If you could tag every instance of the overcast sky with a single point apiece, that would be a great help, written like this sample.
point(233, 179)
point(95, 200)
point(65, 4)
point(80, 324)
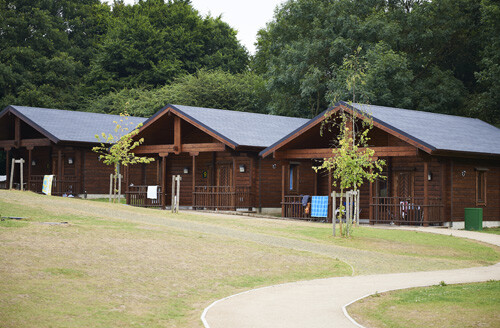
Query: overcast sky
point(245, 16)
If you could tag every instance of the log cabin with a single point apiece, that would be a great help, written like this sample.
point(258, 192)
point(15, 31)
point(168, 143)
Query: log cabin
point(58, 142)
point(436, 165)
point(215, 152)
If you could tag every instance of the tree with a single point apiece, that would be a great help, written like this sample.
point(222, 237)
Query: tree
point(424, 55)
point(486, 103)
point(214, 89)
point(46, 46)
point(153, 42)
point(116, 149)
point(352, 161)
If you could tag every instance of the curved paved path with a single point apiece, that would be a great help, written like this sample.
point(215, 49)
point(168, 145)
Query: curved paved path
point(319, 303)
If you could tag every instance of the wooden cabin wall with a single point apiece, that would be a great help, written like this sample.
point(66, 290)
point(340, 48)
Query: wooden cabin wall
point(464, 188)
point(307, 177)
point(175, 166)
point(41, 155)
point(416, 165)
point(270, 183)
point(96, 174)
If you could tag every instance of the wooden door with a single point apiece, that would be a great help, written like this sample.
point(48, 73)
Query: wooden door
point(404, 184)
point(224, 182)
point(224, 175)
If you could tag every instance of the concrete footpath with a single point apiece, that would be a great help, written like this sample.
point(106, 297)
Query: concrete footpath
point(320, 303)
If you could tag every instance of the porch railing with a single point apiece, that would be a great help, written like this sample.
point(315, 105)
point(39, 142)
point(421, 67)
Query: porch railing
point(221, 197)
point(138, 196)
point(67, 185)
point(293, 209)
point(406, 210)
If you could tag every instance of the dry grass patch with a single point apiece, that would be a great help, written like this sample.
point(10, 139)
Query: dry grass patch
point(422, 246)
point(110, 273)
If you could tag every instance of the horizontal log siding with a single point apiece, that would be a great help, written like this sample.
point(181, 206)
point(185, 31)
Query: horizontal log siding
point(96, 174)
point(270, 183)
point(464, 188)
point(306, 178)
point(416, 163)
point(175, 166)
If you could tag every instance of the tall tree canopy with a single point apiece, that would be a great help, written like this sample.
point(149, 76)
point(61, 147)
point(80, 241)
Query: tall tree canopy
point(155, 41)
point(44, 48)
point(429, 55)
point(60, 53)
point(214, 89)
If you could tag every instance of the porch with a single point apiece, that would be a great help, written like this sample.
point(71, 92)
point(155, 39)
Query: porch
point(406, 210)
point(222, 198)
point(69, 185)
point(410, 193)
point(385, 210)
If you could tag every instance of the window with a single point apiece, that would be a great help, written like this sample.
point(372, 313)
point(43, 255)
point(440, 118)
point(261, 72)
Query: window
point(293, 177)
point(481, 186)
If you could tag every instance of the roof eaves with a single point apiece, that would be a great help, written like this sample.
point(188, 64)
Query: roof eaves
point(306, 126)
point(418, 142)
point(37, 127)
point(215, 133)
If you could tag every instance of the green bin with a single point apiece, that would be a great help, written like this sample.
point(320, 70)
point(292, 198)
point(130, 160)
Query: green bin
point(473, 219)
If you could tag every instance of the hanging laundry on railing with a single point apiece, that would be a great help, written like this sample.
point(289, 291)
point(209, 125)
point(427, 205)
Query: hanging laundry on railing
point(47, 184)
point(152, 192)
point(319, 206)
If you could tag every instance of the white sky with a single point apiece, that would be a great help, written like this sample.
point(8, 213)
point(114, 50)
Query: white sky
point(245, 16)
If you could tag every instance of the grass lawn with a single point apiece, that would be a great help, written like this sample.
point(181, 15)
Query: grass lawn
point(495, 230)
point(464, 305)
point(118, 266)
point(106, 200)
point(439, 249)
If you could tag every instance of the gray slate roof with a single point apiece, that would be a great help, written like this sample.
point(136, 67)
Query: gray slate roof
point(438, 131)
point(242, 128)
point(64, 125)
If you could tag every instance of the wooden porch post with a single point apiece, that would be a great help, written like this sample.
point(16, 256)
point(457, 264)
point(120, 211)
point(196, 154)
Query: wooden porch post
point(194, 177)
point(214, 172)
point(443, 191)
point(59, 170)
point(233, 196)
point(283, 174)
point(17, 132)
point(177, 136)
point(7, 167)
point(426, 194)
point(127, 184)
point(29, 168)
point(330, 211)
point(315, 183)
point(370, 201)
point(158, 173)
point(164, 180)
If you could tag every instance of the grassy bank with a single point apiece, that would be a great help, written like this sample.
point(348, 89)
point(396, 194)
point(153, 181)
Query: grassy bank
point(116, 266)
point(465, 305)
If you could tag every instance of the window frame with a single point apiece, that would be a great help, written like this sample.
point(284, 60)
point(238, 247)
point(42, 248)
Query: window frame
point(293, 177)
point(481, 188)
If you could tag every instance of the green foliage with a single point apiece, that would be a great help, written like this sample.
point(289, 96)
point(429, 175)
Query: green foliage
point(61, 54)
point(352, 162)
point(486, 104)
point(214, 89)
point(45, 47)
point(439, 56)
point(153, 42)
point(116, 149)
